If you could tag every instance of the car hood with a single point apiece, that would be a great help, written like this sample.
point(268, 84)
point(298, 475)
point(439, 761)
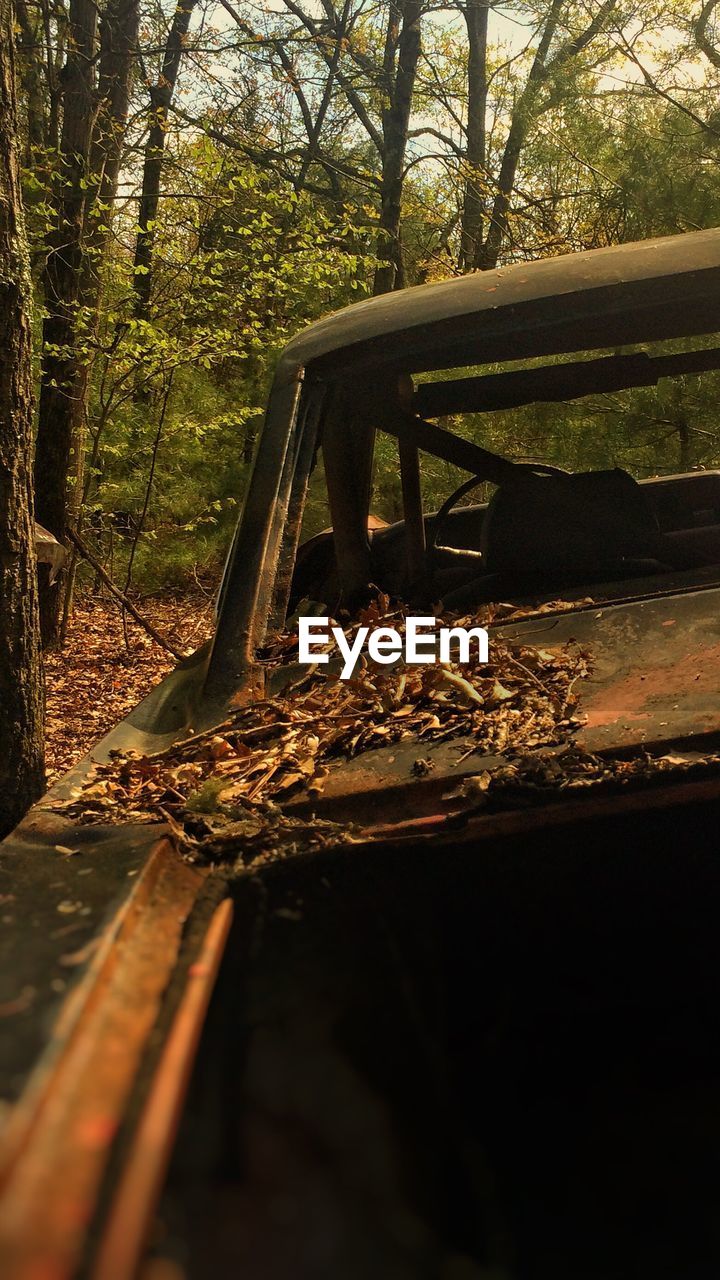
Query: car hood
point(654, 685)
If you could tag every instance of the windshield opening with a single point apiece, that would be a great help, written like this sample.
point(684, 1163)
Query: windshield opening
point(597, 484)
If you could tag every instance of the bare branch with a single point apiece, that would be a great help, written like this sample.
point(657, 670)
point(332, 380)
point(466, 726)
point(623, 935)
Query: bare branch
point(348, 89)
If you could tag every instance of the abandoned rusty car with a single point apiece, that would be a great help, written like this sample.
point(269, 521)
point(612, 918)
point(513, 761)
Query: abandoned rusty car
point(481, 1037)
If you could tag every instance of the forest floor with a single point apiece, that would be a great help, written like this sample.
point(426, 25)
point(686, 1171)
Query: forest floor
point(105, 669)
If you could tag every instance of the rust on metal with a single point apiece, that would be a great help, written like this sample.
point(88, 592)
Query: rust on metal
point(55, 1150)
point(643, 695)
point(141, 1182)
point(481, 828)
point(655, 667)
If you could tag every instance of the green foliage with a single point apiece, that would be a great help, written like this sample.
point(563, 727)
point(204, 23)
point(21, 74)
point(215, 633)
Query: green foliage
point(261, 230)
point(240, 269)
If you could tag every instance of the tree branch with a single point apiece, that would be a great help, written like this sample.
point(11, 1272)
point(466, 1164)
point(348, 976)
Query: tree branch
point(700, 27)
point(346, 85)
point(147, 626)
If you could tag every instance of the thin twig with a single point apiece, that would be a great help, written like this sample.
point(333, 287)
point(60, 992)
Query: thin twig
point(147, 626)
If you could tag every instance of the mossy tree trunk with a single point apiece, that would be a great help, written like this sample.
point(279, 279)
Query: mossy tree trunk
point(21, 746)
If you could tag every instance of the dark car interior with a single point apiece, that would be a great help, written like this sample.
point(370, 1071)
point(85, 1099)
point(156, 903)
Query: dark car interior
point(542, 530)
point(518, 1052)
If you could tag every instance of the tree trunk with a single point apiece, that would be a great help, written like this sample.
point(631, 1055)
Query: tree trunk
point(161, 96)
point(63, 379)
point(471, 226)
point(31, 78)
point(395, 124)
point(118, 48)
point(526, 112)
point(119, 26)
point(684, 444)
point(522, 118)
point(21, 750)
point(93, 132)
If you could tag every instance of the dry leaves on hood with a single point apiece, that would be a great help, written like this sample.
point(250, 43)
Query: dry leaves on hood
point(221, 792)
point(535, 777)
point(241, 771)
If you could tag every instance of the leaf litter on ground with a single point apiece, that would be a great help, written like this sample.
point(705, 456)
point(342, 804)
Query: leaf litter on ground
point(97, 678)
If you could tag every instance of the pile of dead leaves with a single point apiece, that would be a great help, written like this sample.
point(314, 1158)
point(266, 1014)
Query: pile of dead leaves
point(231, 781)
point(535, 776)
point(222, 792)
point(105, 669)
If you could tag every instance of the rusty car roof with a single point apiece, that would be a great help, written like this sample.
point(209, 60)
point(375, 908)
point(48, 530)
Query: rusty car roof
point(646, 287)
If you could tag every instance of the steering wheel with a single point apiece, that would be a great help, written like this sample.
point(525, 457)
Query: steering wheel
point(434, 545)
